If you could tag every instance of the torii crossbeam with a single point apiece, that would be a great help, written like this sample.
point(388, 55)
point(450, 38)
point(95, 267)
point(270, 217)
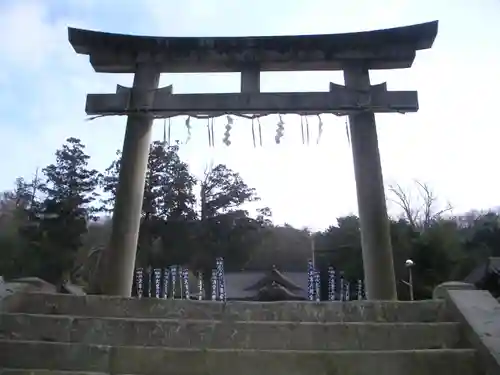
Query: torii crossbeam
point(338, 100)
point(354, 53)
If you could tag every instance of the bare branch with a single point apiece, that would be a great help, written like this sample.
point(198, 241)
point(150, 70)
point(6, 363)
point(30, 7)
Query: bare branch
point(422, 212)
point(403, 200)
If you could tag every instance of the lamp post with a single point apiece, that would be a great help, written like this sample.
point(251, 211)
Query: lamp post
point(409, 264)
point(313, 250)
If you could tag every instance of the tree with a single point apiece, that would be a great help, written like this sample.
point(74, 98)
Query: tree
point(223, 229)
point(58, 224)
point(481, 238)
point(177, 199)
point(223, 190)
point(168, 189)
point(109, 184)
point(340, 247)
point(168, 197)
point(172, 232)
point(283, 246)
point(264, 215)
point(437, 254)
point(422, 211)
point(17, 210)
point(46, 222)
point(168, 193)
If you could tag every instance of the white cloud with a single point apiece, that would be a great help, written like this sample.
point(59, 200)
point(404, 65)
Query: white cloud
point(26, 37)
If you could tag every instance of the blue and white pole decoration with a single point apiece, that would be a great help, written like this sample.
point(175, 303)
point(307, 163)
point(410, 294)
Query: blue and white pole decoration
point(360, 290)
point(310, 280)
point(181, 281)
point(218, 278)
point(157, 276)
point(342, 287)
point(173, 272)
point(221, 285)
point(214, 284)
point(223, 272)
point(150, 276)
point(166, 282)
point(139, 282)
point(200, 286)
point(317, 285)
point(185, 279)
point(331, 284)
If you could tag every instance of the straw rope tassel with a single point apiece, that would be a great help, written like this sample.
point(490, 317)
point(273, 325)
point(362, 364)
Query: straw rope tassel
point(279, 130)
point(188, 127)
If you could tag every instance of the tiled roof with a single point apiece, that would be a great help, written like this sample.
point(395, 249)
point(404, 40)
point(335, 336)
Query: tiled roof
point(237, 283)
point(491, 266)
point(274, 276)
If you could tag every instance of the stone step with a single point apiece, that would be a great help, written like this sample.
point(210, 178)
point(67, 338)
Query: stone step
point(230, 334)
point(10, 371)
point(158, 360)
point(356, 311)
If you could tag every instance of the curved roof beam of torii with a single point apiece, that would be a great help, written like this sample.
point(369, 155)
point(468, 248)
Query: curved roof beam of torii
point(380, 49)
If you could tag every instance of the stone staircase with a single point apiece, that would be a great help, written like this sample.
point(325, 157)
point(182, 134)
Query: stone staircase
point(70, 335)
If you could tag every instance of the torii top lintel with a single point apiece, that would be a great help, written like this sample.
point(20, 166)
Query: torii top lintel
point(380, 49)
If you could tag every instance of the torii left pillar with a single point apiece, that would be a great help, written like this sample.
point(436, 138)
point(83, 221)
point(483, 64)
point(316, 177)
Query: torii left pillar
point(117, 267)
point(378, 261)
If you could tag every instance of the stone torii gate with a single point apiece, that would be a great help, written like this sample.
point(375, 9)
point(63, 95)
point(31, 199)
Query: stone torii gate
point(354, 53)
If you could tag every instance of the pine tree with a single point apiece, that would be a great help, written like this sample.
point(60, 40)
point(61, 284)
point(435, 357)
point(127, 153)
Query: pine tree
point(62, 216)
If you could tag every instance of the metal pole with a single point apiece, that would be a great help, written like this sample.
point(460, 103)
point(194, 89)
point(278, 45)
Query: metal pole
point(410, 283)
point(409, 264)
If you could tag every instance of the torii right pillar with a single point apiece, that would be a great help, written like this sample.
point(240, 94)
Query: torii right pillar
point(378, 264)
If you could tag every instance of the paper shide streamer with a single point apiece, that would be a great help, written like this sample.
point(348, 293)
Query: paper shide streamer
point(210, 129)
point(253, 133)
point(307, 133)
point(320, 129)
point(259, 128)
point(166, 138)
point(307, 130)
point(302, 129)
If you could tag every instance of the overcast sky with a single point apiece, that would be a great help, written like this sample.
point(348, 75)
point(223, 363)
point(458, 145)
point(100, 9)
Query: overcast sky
point(450, 143)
